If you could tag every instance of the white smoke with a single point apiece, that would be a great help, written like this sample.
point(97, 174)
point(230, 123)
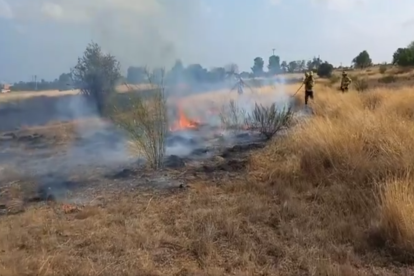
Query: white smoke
point(141, 32)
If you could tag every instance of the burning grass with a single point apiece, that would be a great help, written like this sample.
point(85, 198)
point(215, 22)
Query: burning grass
point(183, 122)
point(335, 197)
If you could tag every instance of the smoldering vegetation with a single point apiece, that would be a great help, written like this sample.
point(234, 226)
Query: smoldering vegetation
point(96, 149)
point(42, 110)
point(63, 143)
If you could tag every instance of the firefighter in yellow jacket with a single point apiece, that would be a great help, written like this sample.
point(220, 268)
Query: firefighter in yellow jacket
point(345, 82)
point(309, 81)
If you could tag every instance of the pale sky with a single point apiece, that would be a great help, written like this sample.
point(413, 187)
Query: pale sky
point(44, 38)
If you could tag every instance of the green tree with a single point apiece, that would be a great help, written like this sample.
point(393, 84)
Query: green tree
point(314, 63)
point(178, 66)
point(301, 65)
point(258, 65)
point(64, 82)
point(411, 46)
point(404, 56)
point(217, 74)
point(176, 74)
point(325, 70)
point(362, 60)
point(231, 69)
point(274, 64)
point(136, 75)
point(157, 75)
point(98, 74)
point(196, 73)
point(245, 75)
point(293, 66)
point(284, 66)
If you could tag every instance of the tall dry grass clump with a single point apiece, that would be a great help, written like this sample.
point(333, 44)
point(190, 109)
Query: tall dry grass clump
point(396, 215)
point(383, 68)
point(144, 118)
point(360, 84)
point(400, 104)
point(361, 146)
point(345, 157)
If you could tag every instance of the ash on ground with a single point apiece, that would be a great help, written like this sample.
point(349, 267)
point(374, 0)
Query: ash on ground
point(97, 162)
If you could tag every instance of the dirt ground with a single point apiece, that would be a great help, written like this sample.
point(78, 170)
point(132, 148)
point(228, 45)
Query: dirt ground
point(334, 196)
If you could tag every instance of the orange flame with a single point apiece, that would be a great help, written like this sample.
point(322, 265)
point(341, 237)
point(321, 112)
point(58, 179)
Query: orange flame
point(183, 122)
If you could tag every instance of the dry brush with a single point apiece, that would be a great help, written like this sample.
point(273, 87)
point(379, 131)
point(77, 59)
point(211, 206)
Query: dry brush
point(143, 116)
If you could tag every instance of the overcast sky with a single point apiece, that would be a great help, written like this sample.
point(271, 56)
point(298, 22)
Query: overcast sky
point(44, 38)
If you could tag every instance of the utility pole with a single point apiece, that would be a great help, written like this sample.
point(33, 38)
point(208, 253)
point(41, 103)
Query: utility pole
point(35, 80)
point(273, 51)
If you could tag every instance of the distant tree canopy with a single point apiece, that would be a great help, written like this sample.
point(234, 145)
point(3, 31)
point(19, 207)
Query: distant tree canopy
point(196, 73)
point(136, 74)
point(314, 63)
point(284, 66)
point(190, 74)
point(325, 70)
point(274, 65)
point(296, 66)
point(404, 56)
point(258, 67)
point(362, 60)
point(64, 82)
point(193, 73)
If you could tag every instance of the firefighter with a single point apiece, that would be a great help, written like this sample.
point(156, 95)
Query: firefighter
point(308, 82)
point(345, 82)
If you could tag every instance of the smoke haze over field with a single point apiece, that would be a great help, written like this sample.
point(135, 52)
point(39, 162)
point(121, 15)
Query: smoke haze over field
point(45, 37)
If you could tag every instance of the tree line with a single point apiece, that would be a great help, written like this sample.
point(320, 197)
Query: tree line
point(196, 73)
point(403, 57)
point(63, 82)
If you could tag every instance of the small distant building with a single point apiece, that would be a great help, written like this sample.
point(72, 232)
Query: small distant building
point(5, 88)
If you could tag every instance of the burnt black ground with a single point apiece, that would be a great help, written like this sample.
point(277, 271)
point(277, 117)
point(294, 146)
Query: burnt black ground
point(97, 162)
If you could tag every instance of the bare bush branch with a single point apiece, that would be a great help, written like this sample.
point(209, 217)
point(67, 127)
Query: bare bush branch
point(233, 117)
point(269, 120)
point(144, 117)
point(266, 120)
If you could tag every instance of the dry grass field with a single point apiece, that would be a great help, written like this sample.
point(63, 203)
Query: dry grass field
point(334, 197)
point(21, 95)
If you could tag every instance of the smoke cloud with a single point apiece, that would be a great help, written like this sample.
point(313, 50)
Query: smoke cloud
point(137, 32)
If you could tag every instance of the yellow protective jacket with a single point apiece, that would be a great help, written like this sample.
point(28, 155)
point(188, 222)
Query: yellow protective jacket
point(345, 81)
point(309, 82)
